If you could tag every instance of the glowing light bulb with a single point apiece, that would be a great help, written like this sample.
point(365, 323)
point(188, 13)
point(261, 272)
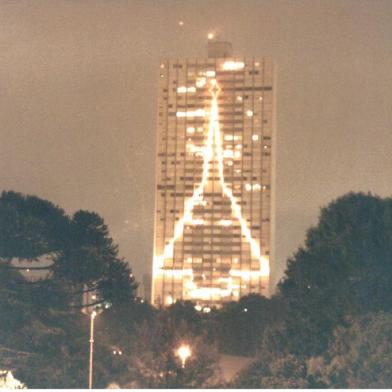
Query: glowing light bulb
point(183, 352)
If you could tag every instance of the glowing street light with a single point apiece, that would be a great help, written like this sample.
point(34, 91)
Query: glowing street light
point(183, 352)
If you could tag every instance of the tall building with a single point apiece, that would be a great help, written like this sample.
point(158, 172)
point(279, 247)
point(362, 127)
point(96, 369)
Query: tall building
point(214, 170)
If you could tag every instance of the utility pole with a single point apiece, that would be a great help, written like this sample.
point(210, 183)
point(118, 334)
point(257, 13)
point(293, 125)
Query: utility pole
point(90, 373)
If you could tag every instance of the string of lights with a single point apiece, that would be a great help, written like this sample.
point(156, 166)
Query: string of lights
point(211, 152)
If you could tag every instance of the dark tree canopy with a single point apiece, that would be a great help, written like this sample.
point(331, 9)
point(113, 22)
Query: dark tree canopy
point(82, 254)
point(360, 354)
point(345, 268)
point(30, 227)
point(240, 325)
point(91, 260)
point(43, 336)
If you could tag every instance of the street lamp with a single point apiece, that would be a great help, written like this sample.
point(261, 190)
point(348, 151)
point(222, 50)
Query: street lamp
point(184, 352)
point(90, 373)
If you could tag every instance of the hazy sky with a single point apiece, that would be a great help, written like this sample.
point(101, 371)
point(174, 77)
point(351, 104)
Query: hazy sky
point(78, 95)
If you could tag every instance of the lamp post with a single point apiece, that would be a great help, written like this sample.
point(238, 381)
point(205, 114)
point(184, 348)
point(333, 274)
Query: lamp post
point(90, 372)
point(184, 352)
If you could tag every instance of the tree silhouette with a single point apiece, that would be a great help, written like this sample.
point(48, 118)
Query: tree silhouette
point(345, 268)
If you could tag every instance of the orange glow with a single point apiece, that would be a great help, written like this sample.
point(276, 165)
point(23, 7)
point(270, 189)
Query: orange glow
point(183, 352)
point(212, 150)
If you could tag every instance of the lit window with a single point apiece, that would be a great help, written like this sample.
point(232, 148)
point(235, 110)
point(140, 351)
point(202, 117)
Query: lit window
point(255, 138)
point(192, 113)
point(190, 129)
point(233, 65)
point(239, 98)
point(200, 82)
point(184, 89)
point(210, 74)
point(198, 221)
point(249, 113)
point(225, 222)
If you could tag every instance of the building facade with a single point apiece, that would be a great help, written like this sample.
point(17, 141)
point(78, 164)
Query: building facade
point(214, 178)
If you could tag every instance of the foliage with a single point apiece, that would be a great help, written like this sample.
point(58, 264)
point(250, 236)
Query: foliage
point(240, 325)
point(154, 363)
point(345, 268)
point(43, 337)
point(343, 271)
point(283, 372)
point(147, 339)
point(90, 259)
point(44, 346)
point(30, 227)
point(360, 354)
point(81, 252)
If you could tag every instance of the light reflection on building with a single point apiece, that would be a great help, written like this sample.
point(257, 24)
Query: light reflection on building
point(213, 217)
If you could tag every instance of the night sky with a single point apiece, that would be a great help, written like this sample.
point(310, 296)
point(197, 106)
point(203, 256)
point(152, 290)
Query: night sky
point(78, 95)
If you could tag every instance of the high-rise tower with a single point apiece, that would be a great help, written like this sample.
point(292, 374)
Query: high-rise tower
point(214, 209)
